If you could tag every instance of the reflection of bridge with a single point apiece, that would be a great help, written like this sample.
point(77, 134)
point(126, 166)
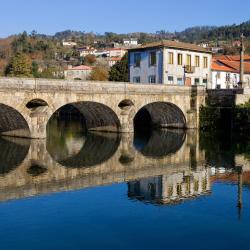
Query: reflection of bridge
point(39, 173)
point(27, 105)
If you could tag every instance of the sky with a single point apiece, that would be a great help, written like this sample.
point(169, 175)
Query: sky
point(120, 16)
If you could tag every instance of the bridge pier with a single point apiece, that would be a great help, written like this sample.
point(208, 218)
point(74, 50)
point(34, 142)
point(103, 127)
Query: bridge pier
point(38, 123)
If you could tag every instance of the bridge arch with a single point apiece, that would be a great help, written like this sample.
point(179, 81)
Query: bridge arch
point(13, 122)
point(159, 115)
point(95, 116)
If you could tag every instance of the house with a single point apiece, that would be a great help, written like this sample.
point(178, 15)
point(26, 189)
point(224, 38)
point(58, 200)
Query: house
point(84, 51)
point(130, 42)
point(170, 62)
point(81, 72)
point(113, 60)
point(226, 71)
point(69, 43)
point(117, 52)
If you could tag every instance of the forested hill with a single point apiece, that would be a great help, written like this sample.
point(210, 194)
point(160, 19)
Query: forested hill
point(211, 33)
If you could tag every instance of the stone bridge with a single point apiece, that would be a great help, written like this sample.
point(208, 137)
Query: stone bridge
point(26, 105)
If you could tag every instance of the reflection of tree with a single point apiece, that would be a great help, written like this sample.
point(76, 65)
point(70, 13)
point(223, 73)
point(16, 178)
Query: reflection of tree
point(13, 152)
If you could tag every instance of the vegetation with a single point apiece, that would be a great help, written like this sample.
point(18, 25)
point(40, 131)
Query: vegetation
point(99, 73)
point(48, 56)
point(119, 71)
point(19, 66)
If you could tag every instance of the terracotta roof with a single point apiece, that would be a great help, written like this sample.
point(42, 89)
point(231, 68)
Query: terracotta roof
point(173, 44)
point(235, 65)
point(81, 67)
point(217, 66)
point(231, 58)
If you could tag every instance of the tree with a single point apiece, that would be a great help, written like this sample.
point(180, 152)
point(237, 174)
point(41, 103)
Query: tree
point(89, 59)
point(99, 73)
point(20, 65)
point(119, 71)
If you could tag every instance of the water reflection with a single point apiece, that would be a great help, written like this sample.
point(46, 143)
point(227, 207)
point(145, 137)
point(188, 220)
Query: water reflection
point(13, 152)
point(161, 167)
point(172, 188)
point(159, 143)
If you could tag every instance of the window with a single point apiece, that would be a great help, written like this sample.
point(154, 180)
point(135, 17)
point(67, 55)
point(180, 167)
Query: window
point(197, 61)
point(152, 79)
point(179, 59)
point(136, 79)
point(171, 58)
point(189, 60)
point(152, 58)
point(228, 77)
point(171, 80)
point(180, 81)
point(137, 60)
point(197, 81)
point(218, 75)
point(205, 62)
point(204, 81)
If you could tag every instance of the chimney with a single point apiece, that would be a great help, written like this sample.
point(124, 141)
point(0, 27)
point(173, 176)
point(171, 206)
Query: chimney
point(242, 61)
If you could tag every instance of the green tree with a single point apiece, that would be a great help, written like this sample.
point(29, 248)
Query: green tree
point(20, 66)
point(119, 71)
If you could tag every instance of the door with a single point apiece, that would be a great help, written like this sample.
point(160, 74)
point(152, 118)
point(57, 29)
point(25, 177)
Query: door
point(188, 81)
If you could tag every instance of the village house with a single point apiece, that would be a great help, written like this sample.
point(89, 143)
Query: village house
point(81, 72)
point(130, 42)
point(226, 71)
point(117, 52)
point(113, 60)
point(170, 62)
point(69, 43)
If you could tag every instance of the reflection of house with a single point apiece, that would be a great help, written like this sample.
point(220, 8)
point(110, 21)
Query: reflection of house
point(170, 189)
point(79, 72)
point(226, 71)
point(170, 62)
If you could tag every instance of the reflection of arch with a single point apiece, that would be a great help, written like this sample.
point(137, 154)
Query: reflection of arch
point(160, 143)
point(13, 152)
point(96, 116)
point(96, 150)
point(159, 115)
point(11, 120)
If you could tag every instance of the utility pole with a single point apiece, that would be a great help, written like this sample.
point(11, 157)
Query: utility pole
point(242, 50)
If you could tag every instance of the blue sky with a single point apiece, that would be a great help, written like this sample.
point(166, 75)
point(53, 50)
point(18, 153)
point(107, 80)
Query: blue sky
point(50, 16)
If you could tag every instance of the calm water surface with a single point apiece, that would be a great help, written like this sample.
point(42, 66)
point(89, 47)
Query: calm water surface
point(159, 190)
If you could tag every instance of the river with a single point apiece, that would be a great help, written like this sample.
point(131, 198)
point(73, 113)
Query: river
point(161, 189)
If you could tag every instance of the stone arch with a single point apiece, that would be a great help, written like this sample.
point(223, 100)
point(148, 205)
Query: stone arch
point(36, 103)
point(97, 116)
point(12, 122)
point(125, 104)
point(159, 115)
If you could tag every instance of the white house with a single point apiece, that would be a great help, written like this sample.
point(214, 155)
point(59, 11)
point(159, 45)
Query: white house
point(69, 43)
point(113, 60)
point(170, 62)
point(117, 52)
point(79, 72)
point(130, 42)
point(226, 72)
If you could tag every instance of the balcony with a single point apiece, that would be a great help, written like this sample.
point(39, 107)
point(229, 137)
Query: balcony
point(189, 69)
